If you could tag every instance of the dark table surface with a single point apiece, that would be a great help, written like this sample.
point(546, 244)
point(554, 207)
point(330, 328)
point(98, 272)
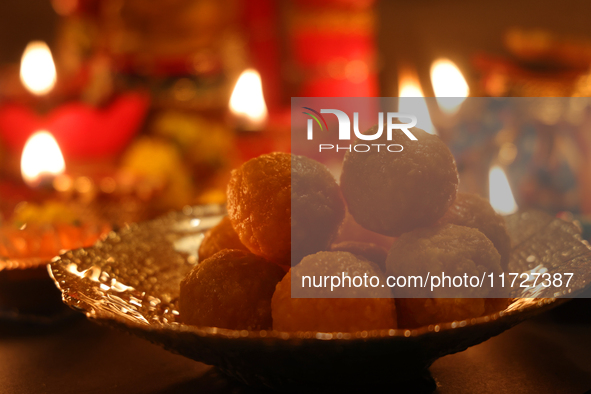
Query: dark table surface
point(549, 354)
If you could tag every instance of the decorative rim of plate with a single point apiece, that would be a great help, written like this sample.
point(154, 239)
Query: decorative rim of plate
point(533, 306)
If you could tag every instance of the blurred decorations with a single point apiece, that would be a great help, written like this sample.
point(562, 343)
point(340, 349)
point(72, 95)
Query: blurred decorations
point(541, 64)
point(334, 50)
point(205, 144)
point(185, 52)
point(81, 130)
point(159, 165)
point(39, 232)
point(539, 143)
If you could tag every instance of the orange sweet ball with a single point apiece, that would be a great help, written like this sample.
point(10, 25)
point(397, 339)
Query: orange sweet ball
point(371, 252)
point(471, 210)
point(450, 249)
point(395, 192)
point(317, 207)
point(219, 238)
point(259, 206)
point(323, 314)
point(284, 206)
point(455, 250)
point(231, 289)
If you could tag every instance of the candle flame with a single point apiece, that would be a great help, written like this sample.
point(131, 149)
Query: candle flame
point(501, 196)
point(412, 102)
point(38, 72)
point(41, 157)
point(247, 98)
point(449, 85)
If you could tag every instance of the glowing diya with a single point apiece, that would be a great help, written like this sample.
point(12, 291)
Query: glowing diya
point(35, 233)
point(82, 130)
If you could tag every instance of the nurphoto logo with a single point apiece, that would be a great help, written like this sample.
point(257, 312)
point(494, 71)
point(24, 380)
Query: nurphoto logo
point(392, 124)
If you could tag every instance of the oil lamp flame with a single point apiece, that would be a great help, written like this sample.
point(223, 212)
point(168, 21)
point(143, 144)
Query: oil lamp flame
point(412, 101)
point(247, 100)
point(449, 85)
point(501, 196)
point(410, 88)
point(41, 158)
point(37, 68)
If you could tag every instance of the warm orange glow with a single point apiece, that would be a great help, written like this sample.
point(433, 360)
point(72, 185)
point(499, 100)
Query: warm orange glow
point(412, 102)
point(41, 158)
point(449, 85)
point(247, 99)
point(410, 88)
point(37, 68)
point(64, 7)
point(501, 196)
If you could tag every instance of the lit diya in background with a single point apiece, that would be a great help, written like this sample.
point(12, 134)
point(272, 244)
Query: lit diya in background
point(449, 88)
point(449, 85)
point(455, 120)
point(82, 130)
point(500, 194)
point(259, 130)
point(35, 233)
point(38, 73)
point(412, 99)
point(50, 113)
point(247, 102)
